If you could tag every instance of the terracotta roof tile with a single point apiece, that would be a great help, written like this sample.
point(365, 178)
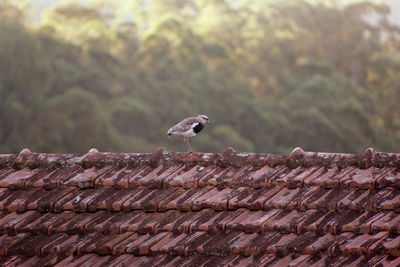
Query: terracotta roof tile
point(254, 199)
point(389, 221)
point(204, 209)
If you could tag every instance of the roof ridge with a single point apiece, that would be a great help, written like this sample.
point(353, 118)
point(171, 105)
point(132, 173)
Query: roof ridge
point(228, 157)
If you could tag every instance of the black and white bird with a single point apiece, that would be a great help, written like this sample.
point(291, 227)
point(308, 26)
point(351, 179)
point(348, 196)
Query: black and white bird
point(189, 127)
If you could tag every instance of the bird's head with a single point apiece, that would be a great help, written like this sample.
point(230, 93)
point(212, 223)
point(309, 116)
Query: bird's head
point(203, 119)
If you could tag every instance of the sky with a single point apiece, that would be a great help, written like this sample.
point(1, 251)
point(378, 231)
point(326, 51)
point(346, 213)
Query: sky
point(395, 7)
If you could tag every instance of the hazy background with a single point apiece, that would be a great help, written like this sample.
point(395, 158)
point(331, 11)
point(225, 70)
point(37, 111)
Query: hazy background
point(271, 75)
point(41, 5)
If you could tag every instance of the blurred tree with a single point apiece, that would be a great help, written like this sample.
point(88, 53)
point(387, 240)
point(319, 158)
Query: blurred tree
point(94, 25)
point(13, 11)
point(76, 113)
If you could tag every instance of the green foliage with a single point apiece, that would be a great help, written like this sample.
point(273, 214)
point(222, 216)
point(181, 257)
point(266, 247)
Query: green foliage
point(270, 76)
point(76, 111)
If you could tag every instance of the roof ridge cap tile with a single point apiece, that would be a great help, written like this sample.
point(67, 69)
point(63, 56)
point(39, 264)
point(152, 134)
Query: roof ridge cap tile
point(200, 158)
point(228, 157)
point(7, 160)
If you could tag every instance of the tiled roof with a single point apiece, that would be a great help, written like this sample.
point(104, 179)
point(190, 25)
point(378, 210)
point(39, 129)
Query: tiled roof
point(202, 209)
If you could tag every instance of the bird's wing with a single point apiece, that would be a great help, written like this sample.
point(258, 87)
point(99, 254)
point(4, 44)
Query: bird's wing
point(189, 122)
point(183, 126)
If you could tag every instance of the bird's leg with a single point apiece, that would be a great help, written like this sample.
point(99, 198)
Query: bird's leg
point(186, 140)
point(190, 149)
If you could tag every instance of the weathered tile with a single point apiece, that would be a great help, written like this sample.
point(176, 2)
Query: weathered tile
point(119, 177)
point(170, 244)
point(216, 198)
point(363, 244)
point(283, 199)
point(33, 224)
point(250, 221)
point(340, 241)
point(391, 245)
point(10, 199)
point(287, 221)
point(9, 243)
point(4, 174)
point(290, 261)
point(86, 178)
point(53, 179)
point(329, 177)
point(17, 179)
point(170, 202)
point(390, 178)
point(231, 177)
point(390, 261)
point(49, 260)
point(213, 221)
point(182, 222)
point(362, 223)
point(293, 178)
point(118, 260)
point(154, 179)
point(130, 223)
point(88, 259)
point(212, 174)
point(289, 198)
point(74, 224)
point(255, 199)
point(184, 202)
point(325, 199)
point(321, 244)
point(43, 200)
point(162, 260)
point(77, 200)
point(140, 245)
point(187, 177)
point(5, 219)
point(11, 220)
point(142, 223)
point(263, 176)
point(185, 212)
point(390, 222)
point(147, 200)
point(366, 179)
point(106, 247)
point(61, 245)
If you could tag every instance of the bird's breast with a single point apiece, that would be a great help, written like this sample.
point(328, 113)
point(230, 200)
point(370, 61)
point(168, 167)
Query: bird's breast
point(198, 127)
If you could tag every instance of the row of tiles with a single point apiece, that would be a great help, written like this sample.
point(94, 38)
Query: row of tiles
point(143, 198)
point(200, 176)
point(233, 243)
point(201, 260)
point(283, 221)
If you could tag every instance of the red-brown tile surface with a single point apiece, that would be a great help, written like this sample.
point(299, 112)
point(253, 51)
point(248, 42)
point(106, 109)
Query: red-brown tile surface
point(329, 177)
point(175, 209)
point(390, 178)
point(389, 221)
point(119, 177)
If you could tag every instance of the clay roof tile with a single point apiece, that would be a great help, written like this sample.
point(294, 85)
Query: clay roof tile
point(173, 208)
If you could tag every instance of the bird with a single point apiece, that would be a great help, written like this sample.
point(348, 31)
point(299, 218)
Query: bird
point(189, 127)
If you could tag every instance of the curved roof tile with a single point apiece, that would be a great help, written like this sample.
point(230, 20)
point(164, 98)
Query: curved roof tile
point(177, 209)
